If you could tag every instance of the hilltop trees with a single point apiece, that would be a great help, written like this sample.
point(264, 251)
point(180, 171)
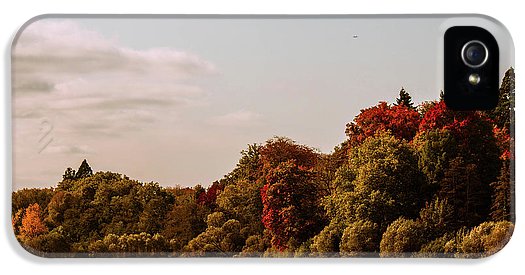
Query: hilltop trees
point(95, 206)
point(503, 114)
point(279, 150)
point(402, 121)
point(404, 99)
point(71, 175)
point(248, 168)
point(83, 171)
point(409, 181)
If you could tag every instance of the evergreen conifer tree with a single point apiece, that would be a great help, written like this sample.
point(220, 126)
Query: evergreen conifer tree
point(404, 99)
point(84, 170)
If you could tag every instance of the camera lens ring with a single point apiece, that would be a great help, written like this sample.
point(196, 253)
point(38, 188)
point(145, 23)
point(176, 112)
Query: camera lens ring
point(464, 49)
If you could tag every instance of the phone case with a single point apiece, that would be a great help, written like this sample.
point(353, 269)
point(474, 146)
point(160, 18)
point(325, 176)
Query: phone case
point(254, 136)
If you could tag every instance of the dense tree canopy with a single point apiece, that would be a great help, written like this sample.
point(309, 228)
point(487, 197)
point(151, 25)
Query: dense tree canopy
point(290, 205)
point(410, 180)
point(449, 145)
point(222, 237)
point(402, 237)
point(360, 238)
point(400, 120)
point(383, 182)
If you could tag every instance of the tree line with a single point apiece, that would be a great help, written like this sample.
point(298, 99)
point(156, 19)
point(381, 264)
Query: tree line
point(421, 181)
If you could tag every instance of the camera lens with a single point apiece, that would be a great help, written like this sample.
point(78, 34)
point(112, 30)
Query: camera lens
point(474, 54)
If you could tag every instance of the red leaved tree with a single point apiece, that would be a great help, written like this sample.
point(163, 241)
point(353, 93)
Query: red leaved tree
point(289, 194)
point(281, 149)
point(209, 197)
point(290, 209)
point(400, 120)
point(473, 130)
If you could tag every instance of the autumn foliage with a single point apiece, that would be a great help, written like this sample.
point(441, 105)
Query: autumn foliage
point(410, 180)
point(32, 224)
point(400, 120)
point(289, 205)
point(209, 196)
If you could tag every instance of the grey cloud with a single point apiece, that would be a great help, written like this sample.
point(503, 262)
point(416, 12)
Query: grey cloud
point(128, 103)
point(69, 72)
point(61, 46)
point(33, 86)
point(66, 149)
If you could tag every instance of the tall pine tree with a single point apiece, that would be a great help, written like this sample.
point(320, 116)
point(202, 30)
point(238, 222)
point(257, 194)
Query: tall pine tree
point(467, 193)
point(404, 99)
point(502, 197)
point(503, 117)
point(503, 113)
point(84, 170)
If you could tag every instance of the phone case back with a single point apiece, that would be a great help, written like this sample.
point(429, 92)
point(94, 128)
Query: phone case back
point(254, 136)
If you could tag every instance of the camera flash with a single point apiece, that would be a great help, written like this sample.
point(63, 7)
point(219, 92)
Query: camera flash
point(474, 79)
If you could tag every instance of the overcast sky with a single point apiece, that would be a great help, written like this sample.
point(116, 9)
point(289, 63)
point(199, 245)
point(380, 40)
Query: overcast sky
point(175, 100)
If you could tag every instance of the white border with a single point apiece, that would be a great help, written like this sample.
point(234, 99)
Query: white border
point(15, 13)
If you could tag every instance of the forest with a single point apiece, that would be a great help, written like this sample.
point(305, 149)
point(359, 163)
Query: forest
point(409, 181)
